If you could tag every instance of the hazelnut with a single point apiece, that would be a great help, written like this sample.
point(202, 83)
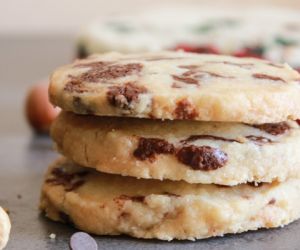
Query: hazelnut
point(40, 113)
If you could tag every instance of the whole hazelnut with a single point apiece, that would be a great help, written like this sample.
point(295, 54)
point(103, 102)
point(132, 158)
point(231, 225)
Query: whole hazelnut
point(40, 113)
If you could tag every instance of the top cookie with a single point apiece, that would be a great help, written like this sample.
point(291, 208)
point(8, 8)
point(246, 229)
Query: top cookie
point(178, 85)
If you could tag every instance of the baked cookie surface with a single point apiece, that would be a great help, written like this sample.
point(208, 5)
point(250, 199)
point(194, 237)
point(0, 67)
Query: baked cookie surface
point(4, 228)
point(110, 204)
point(178, 85)
point(193, 151)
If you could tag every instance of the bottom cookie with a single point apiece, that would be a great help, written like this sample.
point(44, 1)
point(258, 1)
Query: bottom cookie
point(4, 228)
point(111, 205)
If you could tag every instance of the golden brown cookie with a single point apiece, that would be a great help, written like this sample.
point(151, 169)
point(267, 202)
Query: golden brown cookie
point(193, 151)
point(178, 85)
point(110, 205)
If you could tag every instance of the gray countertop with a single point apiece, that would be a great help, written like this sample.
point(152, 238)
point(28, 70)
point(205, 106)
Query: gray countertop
point(24, 158)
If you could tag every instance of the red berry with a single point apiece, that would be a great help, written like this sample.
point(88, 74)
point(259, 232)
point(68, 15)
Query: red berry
point(205, 49)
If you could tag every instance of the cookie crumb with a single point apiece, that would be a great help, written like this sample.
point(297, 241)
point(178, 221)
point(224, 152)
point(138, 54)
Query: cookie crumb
point(52, 236)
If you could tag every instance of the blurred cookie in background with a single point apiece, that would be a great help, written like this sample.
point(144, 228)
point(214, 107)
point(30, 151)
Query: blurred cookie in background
point(271, 34)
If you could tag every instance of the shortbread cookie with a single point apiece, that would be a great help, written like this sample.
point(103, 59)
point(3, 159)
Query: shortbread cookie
point(110, 204)
point(201, 30)
point(4, 228)
point(197, 152)
point(178, 85)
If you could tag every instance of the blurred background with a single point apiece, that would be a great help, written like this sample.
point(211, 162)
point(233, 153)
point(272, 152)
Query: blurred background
point(38, 36)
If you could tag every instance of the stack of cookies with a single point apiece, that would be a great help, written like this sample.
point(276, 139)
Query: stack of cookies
point(174, 145)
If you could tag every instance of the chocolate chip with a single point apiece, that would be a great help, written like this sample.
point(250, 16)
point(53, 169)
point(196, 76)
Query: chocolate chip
point(201, 73)
point(187, 80)
point(70, 181)
point(99, 70)
point(202, 158)
point(132, 198)
point(185, 110)
point(149, 147)
point(195, 72)
point(207, 137)
point(274, 128)
point(268, 77)
point(190, 67)
point(171, 194)
point(221, 186)
point(74, 85)
point(272, 201)
point(108, 72)
point(123, 96)
point(74, 185)
point(82, 241)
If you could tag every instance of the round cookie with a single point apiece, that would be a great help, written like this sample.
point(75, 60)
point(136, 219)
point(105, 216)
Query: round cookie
point(196, 152)
point(201, 30)
point(178, 85)
point(4, 228)
point(110, 204)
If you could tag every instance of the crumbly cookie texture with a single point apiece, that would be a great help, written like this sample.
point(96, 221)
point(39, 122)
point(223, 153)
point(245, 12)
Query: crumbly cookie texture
point(4, 228)
point(110, 204)
point(193, 151)
point(178, 85)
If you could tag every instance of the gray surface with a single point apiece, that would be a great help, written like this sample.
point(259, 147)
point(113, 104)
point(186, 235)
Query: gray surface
point(24, 159)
